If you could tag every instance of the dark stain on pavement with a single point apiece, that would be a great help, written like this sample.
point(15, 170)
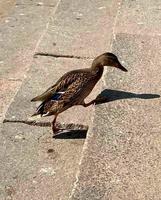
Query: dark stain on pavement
point(50, 151)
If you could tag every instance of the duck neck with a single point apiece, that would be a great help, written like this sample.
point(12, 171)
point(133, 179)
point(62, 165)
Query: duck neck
point(97, 68)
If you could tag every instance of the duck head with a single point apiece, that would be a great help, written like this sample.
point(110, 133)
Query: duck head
point(108, 59)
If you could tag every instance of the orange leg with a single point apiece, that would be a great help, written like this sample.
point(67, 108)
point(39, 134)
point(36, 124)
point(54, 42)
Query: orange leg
point(95, 101)
point(88, 104)
point(54, 128)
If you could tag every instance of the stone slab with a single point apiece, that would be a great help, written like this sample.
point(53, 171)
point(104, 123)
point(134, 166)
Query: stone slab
point(121, 157)
point(81, 29)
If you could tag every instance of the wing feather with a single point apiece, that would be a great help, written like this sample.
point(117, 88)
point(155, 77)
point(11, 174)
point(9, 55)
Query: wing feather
point(66, 92)
point(61, 85)
point(69, 98)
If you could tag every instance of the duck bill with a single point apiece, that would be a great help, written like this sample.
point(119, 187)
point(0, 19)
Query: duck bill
point(121, 67)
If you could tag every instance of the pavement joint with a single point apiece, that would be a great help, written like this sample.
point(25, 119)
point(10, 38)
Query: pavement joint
point(60, 55)
point(46, 124)
point(69, 131)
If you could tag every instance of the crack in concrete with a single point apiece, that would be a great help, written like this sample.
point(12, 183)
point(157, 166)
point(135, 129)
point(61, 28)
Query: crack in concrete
point(32, 123)
point(47, 124)
point(60, 55)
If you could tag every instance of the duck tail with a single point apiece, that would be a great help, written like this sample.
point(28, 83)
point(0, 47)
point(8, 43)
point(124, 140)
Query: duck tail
point(38, 98)
point(39, 112)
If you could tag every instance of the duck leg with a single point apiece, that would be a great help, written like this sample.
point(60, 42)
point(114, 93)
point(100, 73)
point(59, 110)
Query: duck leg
point(88, 104)
point(53, 125)
point(98, 100)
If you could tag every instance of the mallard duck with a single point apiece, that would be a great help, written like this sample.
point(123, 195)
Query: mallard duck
point(73, 87)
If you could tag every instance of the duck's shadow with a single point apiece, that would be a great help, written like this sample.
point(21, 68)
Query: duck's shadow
point(72, 134)
point(108, 95)
point(77, 131)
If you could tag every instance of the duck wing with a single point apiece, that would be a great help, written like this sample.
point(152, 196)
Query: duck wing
point(61, 85)
point(61, 101)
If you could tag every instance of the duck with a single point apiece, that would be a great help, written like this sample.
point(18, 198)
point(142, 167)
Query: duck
point(73, 88)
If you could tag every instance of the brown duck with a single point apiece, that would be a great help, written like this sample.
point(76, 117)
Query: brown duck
point(73, 87)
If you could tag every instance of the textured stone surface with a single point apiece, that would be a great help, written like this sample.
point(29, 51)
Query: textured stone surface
point(139, 17)
point(121, 158)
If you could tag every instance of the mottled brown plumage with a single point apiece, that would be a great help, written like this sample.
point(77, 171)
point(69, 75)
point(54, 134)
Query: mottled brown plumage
point(73, 87)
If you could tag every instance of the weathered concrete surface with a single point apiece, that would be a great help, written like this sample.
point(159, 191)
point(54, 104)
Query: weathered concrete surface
point(121, 157)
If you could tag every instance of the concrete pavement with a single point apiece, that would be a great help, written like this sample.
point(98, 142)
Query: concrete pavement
point(120, 158)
